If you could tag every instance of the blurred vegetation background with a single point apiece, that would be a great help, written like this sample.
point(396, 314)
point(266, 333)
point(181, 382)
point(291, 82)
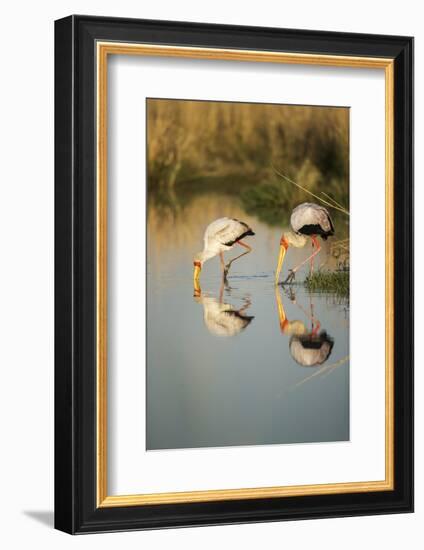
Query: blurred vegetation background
point(236, 148)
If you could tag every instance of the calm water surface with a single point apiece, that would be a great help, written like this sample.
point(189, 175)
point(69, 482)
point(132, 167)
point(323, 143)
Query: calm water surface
point(239, 364)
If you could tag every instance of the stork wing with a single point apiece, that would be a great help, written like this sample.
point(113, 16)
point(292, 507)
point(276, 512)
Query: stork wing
point(311, 214)
point(325, 219)
point(226, 230)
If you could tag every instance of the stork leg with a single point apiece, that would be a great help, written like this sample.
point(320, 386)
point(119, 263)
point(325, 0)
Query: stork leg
point(227, 267)
point(221, 292)
point(293, 271)
point(224, 271)
point(247, 304)
point(315, 323)
point(221, 257)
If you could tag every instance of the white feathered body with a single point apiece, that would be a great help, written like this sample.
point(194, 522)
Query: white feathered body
point(222, 234)
point(311, 219)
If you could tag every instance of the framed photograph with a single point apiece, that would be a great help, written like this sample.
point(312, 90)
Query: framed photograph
point(234, 274)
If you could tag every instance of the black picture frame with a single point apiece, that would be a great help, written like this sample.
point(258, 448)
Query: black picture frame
point(75, 275)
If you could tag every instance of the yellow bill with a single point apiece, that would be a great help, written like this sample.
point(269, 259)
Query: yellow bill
point(196, 273)
point(280, 263)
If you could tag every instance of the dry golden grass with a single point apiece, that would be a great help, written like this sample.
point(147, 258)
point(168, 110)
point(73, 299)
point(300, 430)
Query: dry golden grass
point(189, 140)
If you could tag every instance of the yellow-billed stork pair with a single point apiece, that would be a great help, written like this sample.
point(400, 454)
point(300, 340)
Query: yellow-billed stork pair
point(308, 221)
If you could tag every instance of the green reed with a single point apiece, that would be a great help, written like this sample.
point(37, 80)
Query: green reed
point(336, 282)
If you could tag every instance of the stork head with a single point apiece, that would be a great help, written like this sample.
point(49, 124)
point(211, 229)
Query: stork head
point(286, 326)
point(289, 238)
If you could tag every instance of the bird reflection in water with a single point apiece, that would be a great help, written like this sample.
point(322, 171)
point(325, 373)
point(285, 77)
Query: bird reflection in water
point(309, 347)
point(222, 319)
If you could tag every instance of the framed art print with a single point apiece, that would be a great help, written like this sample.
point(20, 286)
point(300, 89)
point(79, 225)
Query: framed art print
point(233, 274)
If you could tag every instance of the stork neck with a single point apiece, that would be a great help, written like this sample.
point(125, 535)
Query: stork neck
point(207, 254)
point(295, 239)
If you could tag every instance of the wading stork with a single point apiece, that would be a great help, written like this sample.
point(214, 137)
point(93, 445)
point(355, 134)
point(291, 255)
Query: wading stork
point(308, 221)
point(221, 235)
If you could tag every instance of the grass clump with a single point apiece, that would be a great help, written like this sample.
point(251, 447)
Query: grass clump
point(336, 282)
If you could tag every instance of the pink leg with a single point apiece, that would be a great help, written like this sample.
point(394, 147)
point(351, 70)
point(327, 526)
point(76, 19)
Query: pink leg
point(221, 257)
point(311, 257)
point(311, 269)
point(221, 292)
point(244, 245)
point(316, 325)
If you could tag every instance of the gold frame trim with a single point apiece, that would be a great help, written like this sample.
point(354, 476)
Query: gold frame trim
point(119, 48)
